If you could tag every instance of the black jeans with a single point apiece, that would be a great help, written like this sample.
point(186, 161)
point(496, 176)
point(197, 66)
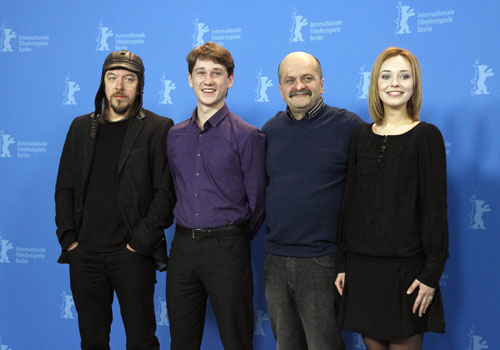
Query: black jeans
point(94, 279)
point(217, 268)
point(302, 302)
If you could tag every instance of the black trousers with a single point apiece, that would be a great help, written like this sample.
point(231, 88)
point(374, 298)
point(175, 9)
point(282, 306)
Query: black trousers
point(94, 279)
point(217, 268)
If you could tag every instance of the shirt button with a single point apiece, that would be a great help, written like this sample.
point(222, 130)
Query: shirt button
point(196, 214)
point(198, 155)
point(197, 174)
point(196, 194)
point(200, 135)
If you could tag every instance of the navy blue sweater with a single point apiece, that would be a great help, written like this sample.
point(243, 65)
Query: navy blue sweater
point(306, 164)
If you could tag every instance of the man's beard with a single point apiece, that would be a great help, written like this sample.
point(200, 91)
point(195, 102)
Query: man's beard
point(120, 108)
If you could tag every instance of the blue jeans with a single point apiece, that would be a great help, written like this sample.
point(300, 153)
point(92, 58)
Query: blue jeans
point(303, 302)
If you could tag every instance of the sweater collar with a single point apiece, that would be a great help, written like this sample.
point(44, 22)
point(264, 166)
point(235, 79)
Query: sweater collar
point(311, 113)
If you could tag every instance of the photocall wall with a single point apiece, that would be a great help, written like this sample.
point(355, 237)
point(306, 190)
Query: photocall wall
point(51, 55)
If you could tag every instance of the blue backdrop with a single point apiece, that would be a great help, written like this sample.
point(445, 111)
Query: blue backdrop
point(51, 54)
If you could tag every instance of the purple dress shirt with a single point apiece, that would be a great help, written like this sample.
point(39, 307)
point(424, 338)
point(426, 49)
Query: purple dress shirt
point(219, 172)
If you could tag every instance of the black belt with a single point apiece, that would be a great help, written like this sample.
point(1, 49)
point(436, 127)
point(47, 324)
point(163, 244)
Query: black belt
point(221, 231)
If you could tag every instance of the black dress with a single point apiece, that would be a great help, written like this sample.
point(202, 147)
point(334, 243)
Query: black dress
point(393, 230)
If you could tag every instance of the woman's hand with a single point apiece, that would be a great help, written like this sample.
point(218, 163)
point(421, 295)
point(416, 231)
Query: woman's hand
point(339, 282)
point(424, 297)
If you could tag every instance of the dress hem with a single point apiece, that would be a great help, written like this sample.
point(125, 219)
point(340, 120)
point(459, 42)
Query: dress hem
point(378, 337)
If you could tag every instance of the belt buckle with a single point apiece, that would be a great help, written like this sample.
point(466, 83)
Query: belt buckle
point(193, 233)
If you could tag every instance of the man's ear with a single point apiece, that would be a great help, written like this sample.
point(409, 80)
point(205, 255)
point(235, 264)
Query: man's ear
point(190, 79)
point(231, 80)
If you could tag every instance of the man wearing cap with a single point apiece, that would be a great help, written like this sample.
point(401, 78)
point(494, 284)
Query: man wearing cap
point(217, 162)
point(114, 198)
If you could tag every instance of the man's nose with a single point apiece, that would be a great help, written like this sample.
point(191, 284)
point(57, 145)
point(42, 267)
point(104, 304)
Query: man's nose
point(208, 79)
point(299, 85)
point(119, 83)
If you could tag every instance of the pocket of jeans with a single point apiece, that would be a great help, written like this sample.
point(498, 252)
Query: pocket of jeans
point(70, 252)
point(134, 255)
point(130, 251)
point(326, 260)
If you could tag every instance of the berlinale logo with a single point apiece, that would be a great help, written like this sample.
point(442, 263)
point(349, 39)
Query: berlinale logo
point(161, 312)
point(404, 14)
point(5, 141)
point(364, 83)
point(166, 87)
point(5, 246)
point(200, 29)
point(66, 305)
point(69, 92)
point(476, 342)
point(263, 84)
point(102, 38)
point(261, 317)
point(481, 73)
point(298, 22)
point(4, 346)
point(6, 36)
point(479, 207)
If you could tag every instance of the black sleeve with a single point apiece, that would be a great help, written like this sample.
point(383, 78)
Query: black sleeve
point(432, 204)
point(65, 195)
point(160, 213)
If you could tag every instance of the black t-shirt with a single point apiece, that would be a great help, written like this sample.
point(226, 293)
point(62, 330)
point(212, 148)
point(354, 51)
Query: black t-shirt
point(103, 229)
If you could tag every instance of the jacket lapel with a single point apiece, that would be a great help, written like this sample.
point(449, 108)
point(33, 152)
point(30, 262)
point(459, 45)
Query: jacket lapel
point(134, 128)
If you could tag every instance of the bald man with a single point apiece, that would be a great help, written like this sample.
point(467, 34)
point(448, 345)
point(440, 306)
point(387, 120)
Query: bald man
point(306, 161)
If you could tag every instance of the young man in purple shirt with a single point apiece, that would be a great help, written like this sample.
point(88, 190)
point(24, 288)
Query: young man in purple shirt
point(217, 163)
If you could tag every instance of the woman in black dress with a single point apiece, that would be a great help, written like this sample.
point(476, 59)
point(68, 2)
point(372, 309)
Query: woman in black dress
point(393, 239)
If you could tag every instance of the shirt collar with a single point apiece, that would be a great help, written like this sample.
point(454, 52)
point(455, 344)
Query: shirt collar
point(311, 113)
point(213, 120)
